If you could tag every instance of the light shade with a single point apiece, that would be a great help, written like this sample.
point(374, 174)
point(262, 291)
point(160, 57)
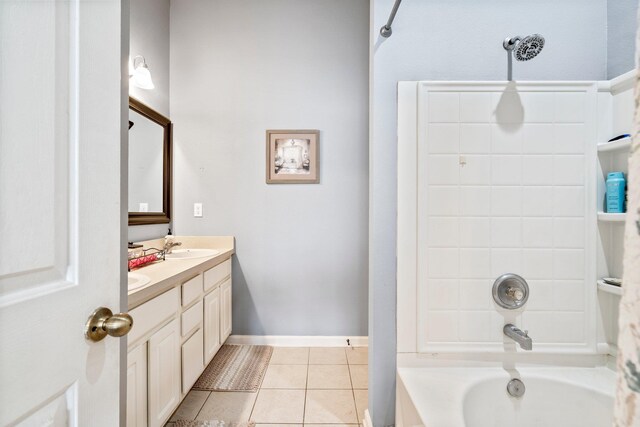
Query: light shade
point(141, 75)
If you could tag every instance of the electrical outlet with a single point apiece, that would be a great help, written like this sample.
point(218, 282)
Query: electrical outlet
point(144, 207)
point(197, 210)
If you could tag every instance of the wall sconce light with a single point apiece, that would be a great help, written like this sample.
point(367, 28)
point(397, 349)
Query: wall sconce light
point(141, 75)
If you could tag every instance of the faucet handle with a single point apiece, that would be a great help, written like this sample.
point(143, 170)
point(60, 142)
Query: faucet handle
point(526, 333)
point(515, 294)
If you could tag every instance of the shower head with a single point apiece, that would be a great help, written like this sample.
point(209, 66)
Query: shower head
point(525, 48)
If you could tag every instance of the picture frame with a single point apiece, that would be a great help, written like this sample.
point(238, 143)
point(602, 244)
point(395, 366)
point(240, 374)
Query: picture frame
point(293, 156)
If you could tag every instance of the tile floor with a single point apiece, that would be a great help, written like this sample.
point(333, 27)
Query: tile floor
point(302, 386)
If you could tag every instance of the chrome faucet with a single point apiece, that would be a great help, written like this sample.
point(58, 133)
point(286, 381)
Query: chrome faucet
point(518, 336)
point(169, 245)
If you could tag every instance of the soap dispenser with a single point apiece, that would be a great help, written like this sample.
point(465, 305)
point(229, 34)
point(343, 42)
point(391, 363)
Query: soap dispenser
point(168, 240)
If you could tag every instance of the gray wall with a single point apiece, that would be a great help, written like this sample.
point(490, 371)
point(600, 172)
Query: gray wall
point(149, 37)
point(621, 36)
point(452, 40)
point(239, 68)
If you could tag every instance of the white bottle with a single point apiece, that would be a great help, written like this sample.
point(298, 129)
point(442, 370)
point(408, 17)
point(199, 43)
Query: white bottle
point(168, 240)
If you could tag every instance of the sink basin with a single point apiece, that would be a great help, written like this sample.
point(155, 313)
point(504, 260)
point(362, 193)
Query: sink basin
point(178, 254)
point(137, 280)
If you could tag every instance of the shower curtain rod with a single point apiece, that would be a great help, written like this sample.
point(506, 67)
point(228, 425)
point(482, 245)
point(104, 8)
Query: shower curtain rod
point(385, 31)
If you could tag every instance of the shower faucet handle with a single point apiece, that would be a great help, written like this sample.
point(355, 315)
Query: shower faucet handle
point(510, 291)
point(516, 294)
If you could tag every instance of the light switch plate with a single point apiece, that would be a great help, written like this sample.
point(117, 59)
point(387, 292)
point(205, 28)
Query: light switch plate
point(197, 210)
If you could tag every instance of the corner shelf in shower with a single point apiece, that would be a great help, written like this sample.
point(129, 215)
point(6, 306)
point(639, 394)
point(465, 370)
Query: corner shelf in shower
point(609, 289)
point(619, 145)
point(611, 217)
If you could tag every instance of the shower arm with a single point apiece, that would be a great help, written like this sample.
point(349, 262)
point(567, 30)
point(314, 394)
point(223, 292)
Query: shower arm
point(385, 31)
point(510, 42)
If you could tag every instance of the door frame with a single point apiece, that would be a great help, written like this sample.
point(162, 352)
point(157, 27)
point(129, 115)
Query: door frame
point(124, 194)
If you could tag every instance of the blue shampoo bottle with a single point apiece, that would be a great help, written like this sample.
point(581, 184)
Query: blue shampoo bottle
point(616, 185)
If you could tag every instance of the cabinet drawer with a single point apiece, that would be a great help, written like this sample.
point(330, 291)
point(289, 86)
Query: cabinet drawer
point(152, 313)
point(192, 360)
point(191, 290)
point(216, 274)
point(192, 318)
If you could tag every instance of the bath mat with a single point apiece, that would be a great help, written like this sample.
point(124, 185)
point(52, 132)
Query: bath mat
point(211, 423)
point(236, 368)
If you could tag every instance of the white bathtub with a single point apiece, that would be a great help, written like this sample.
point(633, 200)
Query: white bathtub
point(477, 397)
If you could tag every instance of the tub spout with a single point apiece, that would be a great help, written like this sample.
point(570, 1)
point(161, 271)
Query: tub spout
point(522, 338)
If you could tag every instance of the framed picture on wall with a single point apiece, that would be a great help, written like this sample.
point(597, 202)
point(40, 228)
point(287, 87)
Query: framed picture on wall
point(292, 156)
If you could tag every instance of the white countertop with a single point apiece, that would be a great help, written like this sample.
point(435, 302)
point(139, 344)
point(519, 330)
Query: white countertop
point(165, 275)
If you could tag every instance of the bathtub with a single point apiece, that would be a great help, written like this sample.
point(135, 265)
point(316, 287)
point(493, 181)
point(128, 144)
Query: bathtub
point(477, 397)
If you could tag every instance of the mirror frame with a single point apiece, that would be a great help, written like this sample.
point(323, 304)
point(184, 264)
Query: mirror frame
point(164, 217)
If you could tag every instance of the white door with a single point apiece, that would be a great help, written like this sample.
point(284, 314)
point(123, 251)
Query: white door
point(61, 215)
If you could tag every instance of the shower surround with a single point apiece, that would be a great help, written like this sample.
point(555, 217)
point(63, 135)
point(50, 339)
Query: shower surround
point(495, 178)
point(504, 183)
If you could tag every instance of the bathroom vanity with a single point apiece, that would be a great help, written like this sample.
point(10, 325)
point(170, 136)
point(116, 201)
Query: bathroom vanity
point(181, 316)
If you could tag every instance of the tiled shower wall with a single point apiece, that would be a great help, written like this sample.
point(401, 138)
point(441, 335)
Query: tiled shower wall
point(504, 187)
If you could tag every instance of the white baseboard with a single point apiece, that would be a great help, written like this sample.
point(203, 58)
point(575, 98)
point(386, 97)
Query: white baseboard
point(297, 341)
point(367, 419)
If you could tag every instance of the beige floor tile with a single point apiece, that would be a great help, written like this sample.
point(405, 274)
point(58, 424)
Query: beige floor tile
point(329, 377)
point(290, 356)
point(285, 376)
point(327, 356)
point(330, 425)
point(362, 402)
point(330, 406)
point(279, 406)
point(359, 376)
point(358, 355)
point(191, 405)
point(278, 425)
point(229, 407)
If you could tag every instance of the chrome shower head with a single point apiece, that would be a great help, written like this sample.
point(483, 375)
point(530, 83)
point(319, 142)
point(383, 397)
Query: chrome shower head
point(525, 48)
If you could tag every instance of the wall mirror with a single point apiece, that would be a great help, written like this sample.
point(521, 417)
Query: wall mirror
point(149, 165)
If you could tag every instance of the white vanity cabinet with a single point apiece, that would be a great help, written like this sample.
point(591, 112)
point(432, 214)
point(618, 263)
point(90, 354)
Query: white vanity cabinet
point(164, 373)
point(137, 386)
point(153, 361)
point(192, 360)
point(192, 332)
point(212, 341)
point(216, 281)
point(225, 310)
point(174, 336)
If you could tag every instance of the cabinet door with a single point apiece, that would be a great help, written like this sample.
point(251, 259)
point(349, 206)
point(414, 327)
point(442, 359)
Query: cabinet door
point(225, 315)
point(137, 386)
point(192, 360)
point(211, 325)
point(164, 373)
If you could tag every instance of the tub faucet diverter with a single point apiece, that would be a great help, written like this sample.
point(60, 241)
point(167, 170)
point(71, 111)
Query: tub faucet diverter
point(519, 336)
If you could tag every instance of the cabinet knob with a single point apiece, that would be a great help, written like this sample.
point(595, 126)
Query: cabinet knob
point(103, 322)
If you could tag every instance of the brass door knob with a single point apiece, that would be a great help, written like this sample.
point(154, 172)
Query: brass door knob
point(103, 322)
